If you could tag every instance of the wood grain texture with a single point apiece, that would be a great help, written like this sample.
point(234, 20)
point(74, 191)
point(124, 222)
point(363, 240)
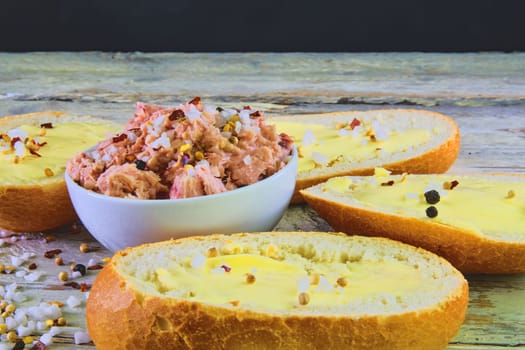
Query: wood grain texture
point(484, 93)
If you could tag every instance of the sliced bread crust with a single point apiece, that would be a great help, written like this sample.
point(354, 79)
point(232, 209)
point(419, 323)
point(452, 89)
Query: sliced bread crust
point(436, 156)
point(124, 312)
point(468, 251)
point(28, 207)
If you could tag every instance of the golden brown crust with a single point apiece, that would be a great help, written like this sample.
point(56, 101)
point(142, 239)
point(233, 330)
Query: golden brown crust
point(120, 317)
point(468, 252)
point(37, 206)
point(434, 161)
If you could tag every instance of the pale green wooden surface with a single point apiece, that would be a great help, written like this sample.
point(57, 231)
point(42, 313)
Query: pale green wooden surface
point(484, 93)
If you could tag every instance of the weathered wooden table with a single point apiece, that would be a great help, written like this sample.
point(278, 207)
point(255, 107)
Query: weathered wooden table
point(484, 93)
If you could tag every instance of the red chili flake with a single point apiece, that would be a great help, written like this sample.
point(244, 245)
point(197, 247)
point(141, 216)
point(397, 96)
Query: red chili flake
point(176, 114)
point(234, 302)
point(255, 114)
point(15, 140)
point(247, 107)
point(42, 144)
point(32, 266)
point(84, 287)
point(52, 253)
point(195, 101)
point(73, 285)
point(388, 183)
point(119, 138)
point(95, 267)
point(355, 122)
point(33, 152)
point(38, 345)
point(226, 268)
point(46, 125)
point(450, 185)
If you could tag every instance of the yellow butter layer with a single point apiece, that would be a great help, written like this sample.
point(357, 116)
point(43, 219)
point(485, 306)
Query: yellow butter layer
point(259, 282)
point(490, 207)
point(322, 145)
point(58, 145)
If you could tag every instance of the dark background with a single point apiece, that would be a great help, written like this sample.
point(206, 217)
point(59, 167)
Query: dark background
point(262, 25)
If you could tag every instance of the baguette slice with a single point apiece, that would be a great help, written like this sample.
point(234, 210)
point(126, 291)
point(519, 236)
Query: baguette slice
point(243, 291)
point(401, 140)
point(479, 225)
point(31, 197)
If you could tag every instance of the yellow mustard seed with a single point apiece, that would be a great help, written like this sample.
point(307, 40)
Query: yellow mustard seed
point(10, 308)
point(234, 140)
point(5, 314)
point(12, 336)
point(250, 278)
point(63, 276)
point(42, 132)
point(28, 340)
point(199, 155)
point(510, 194)
point(3, 305)
point(314, 279)
point(341, 281)
point(304, 298)
point(49, 323)
point(3, 328)
point(48, 172)
point(185, 148)
point(235, 118)
point(61, 321)
point(59, 261)
point(2, 268)
point(212, 252)
point(84, 247)
point(227, 127)
point(106, 259)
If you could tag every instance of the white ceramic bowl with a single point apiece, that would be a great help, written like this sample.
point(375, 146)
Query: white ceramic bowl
point(118, 223)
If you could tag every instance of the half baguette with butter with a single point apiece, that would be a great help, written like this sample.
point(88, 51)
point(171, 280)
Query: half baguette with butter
point(276, 290)
point(355, 142)
point(475, 221)
point(34, 149)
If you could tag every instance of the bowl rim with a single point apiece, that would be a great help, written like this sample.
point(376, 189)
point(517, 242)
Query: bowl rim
point(293, 159)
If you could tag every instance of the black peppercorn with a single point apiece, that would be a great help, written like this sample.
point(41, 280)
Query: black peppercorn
point(141, 165)
point(432, 211)
point(80, 268)
point(432, 196)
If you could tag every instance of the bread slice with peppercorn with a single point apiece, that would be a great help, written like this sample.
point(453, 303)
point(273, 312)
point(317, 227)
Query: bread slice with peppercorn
point(475, 221)
point(34, 149)
point(276, 290)
point(355, 142)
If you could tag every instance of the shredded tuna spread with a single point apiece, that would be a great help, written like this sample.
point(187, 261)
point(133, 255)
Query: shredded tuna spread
point(187, 151)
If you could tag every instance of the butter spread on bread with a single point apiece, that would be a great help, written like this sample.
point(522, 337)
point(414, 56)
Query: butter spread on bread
point(280, 290)
point(476, 220)
point(34, 149)
point(53, 144)
point(356, 142)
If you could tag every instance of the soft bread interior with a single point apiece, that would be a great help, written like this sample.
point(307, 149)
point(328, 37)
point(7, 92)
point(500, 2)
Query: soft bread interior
point(381, 276)
point(395, 129)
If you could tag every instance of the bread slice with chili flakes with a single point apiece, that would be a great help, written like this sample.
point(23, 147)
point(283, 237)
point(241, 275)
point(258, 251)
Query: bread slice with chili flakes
point(475, 221)
point(34, 149)
point(385, 138)
point(276, 290)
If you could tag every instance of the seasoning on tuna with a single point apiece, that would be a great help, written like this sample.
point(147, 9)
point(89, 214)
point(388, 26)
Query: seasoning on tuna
point(432, 196)
point(184, 151)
